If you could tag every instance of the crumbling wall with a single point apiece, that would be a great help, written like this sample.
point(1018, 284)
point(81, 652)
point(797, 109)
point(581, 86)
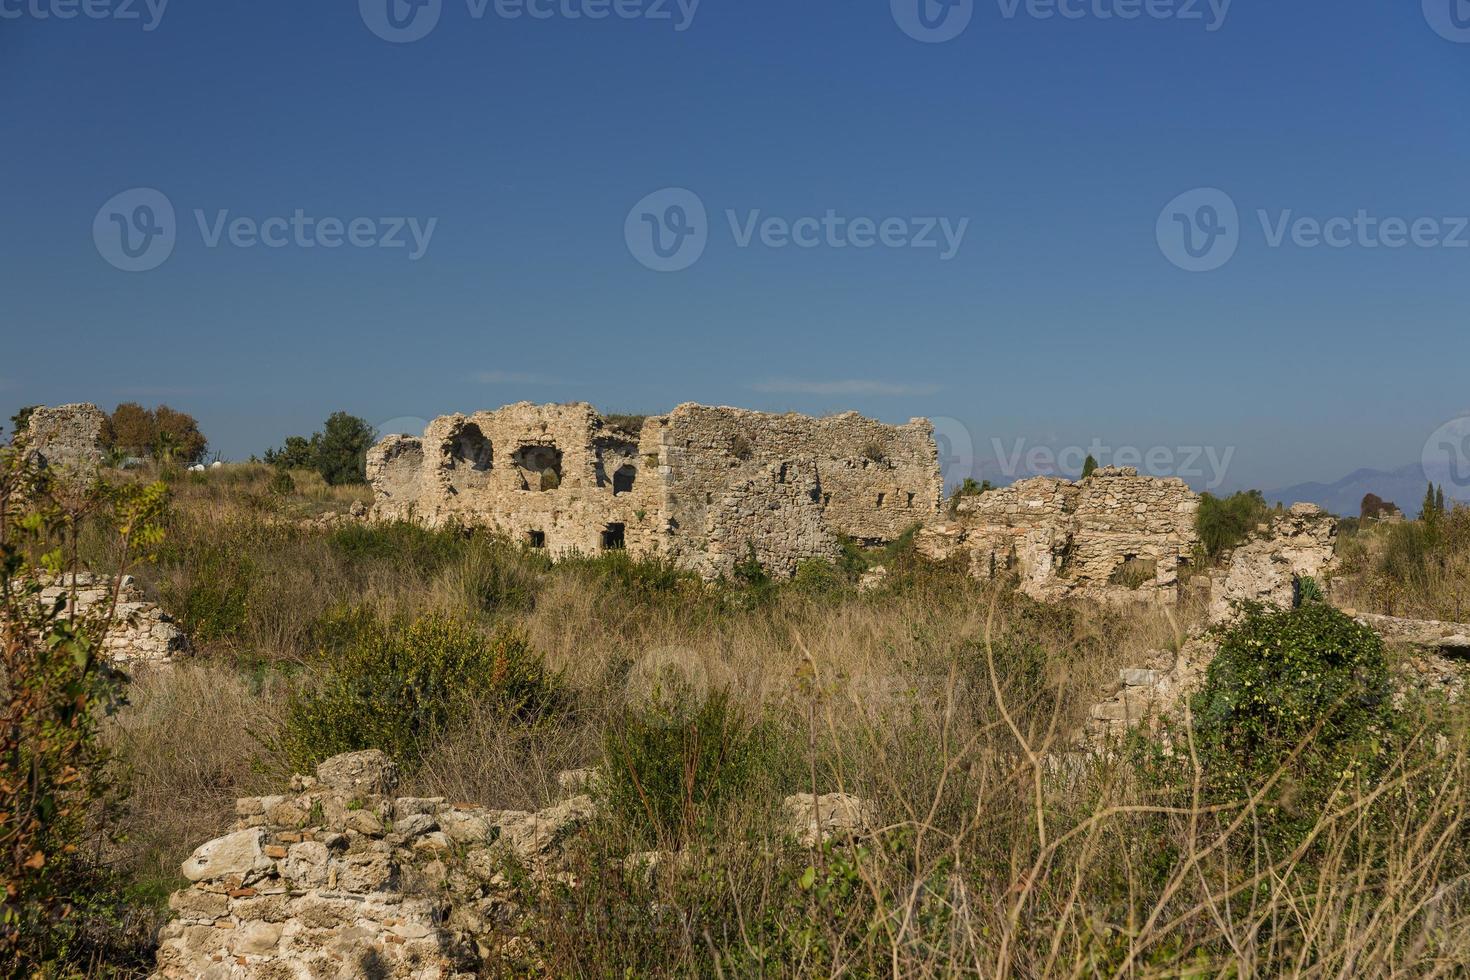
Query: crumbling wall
point(1064, 538)
point(546, 475)
point(876, 480)
point(139, 633)
point(1298, 544)
point(774, 517)
point(701, 486)
point(69, 439)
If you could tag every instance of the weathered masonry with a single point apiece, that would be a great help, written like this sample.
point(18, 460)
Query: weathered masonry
point(705, 487)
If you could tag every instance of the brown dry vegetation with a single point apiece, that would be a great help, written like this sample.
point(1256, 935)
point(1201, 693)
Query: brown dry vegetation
point(948, 703)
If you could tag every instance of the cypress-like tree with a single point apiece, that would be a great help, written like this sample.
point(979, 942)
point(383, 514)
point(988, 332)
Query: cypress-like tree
point(1427, 512)
point(1088, 465)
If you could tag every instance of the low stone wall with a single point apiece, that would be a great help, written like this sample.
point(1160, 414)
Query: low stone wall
point(1076, 539)
point(338, 878)
point(141, 633)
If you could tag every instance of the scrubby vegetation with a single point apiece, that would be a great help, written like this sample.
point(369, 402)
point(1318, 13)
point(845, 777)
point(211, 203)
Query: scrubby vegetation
point(1225, 522)
point(1409, 568)
point(1308, 820)
point(338, 453)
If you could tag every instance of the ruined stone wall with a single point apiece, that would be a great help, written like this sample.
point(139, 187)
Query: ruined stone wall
point(702, 486)
point(1065, 538)
point(139, 633)
point(69, 439)
point(552, 475)
point(877, 480)
point(1298, 544)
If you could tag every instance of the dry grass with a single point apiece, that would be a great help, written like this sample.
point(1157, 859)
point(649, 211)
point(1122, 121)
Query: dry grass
point(948, 703)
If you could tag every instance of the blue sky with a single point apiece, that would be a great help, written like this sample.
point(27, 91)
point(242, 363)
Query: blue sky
point(1054, 142)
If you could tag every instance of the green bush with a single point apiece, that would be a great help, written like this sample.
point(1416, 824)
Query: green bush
point(213, 603)
point(1284, 678)
point(1225, 523)
point(671, 764)
point(394, 684)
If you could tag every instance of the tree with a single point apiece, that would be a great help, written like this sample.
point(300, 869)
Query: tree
point(1427, 512)
point(131, 430)
point(341, 455)
point(1225, 523)
point(177, 436)
point(1088, 465)
point(21, 421)
point(298, 453)
point(1439, 500)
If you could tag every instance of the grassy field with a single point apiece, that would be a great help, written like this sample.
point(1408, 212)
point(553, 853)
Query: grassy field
point(949, 703)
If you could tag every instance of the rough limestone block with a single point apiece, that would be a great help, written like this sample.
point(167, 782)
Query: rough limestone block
point(239, 853)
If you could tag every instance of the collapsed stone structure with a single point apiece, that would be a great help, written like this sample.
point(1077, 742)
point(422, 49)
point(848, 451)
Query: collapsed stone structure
point(338, 878)
point(704, 487)
point(70, 440)
point(138, 632)
point(1114, 533)
point(1117, 535)
point(1269, 566)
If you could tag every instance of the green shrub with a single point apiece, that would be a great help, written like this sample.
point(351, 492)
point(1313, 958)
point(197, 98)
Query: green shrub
point(213, 603)
point(494, 577)
point(394, 684)
point(1283, 678)
point(1225, 523)
point(281, 484)
point(644, 579)
point(672, 763)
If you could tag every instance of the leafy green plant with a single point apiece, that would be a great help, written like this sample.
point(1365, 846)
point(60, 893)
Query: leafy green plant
point(1306, 690)
point(394, 684)
point(58, 792)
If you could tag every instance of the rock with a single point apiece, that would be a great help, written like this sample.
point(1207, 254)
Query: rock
point(370, 772)
point(533, 835)
point(239, 853)
point(577, 781)
point(873, 579)
point(831, 816)
point(414, 825)
point(306, 864)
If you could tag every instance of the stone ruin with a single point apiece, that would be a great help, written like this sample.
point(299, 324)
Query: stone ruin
point(69, 440)
point(1111, 535)
point(139, 633)
point(704, 487)
point(340, 878)
point(1118, 536)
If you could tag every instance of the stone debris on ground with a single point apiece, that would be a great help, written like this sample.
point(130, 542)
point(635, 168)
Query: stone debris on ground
point(338, 878)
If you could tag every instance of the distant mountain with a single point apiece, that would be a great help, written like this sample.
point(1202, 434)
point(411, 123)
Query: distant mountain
point(1403, 486)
